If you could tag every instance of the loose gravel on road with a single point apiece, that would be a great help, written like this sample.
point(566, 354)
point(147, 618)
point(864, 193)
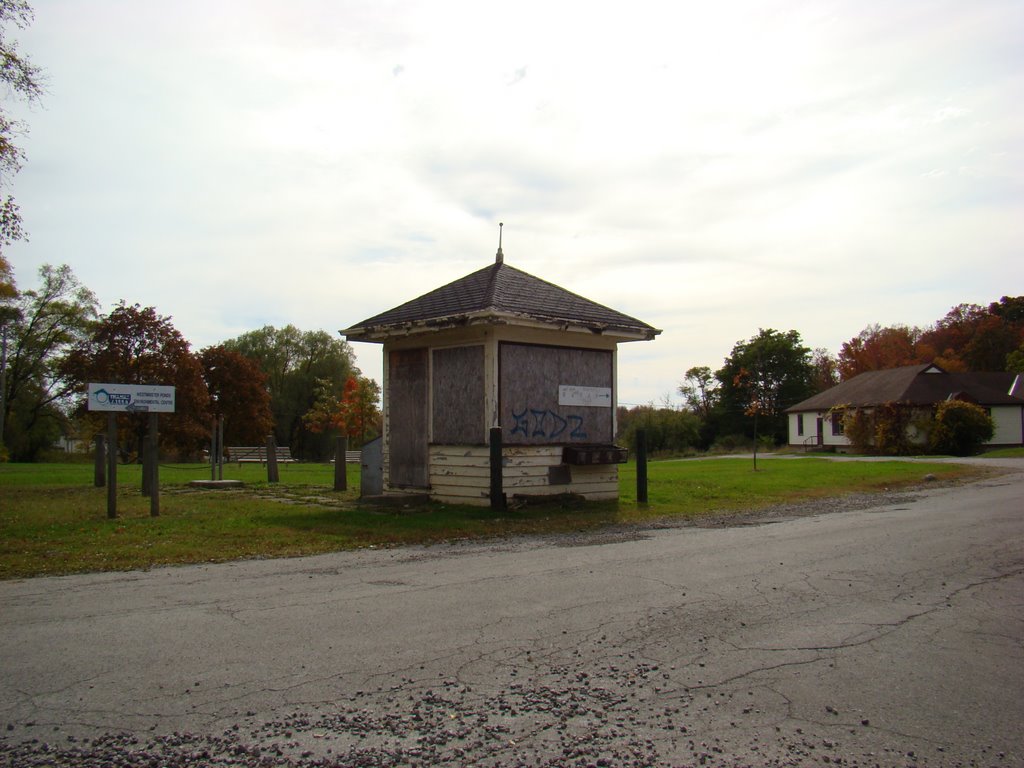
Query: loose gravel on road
point(599, 704)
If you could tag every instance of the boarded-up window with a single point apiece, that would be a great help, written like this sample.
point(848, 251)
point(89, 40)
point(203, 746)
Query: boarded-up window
point(458, 395)
point(407, 417)
point(532, 413)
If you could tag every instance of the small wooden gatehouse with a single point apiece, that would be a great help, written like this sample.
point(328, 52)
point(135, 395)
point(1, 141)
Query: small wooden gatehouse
point(500, 348)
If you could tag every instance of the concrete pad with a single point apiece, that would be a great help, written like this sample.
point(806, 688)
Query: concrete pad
point(214, 484)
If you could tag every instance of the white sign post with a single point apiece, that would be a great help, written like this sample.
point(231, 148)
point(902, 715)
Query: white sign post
point(132, 398)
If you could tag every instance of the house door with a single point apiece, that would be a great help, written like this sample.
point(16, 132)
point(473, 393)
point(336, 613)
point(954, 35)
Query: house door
point(821, 431)
point(407, 418)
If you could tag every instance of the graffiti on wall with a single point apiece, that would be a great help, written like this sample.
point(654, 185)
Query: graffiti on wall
point(533, 422)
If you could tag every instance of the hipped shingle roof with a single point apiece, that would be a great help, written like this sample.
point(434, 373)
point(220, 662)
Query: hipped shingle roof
point(914, 385)
point(500, 292)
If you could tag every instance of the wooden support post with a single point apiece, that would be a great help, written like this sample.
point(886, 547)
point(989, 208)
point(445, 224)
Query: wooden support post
point(497, 483)
point(755, 440)
point(641, 466)
point(153, 455)
point(220, 447)
point(214, 448)
point(340, 468)
point(111, 465)
point(147, 472)
point(100, 465)
point(272, 473)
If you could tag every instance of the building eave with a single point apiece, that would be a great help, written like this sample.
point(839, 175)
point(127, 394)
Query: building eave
point(380, 333)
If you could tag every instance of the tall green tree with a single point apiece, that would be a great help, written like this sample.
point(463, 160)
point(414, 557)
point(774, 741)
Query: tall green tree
point(24, 80)
point(1015, 360)
point(135, 345)
point(700, 390)
point(42, 327)
point(294, 362)
point(760, 379)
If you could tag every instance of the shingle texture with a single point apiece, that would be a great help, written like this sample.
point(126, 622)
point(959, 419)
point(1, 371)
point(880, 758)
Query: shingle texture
point(914, 385)
point(503, 290)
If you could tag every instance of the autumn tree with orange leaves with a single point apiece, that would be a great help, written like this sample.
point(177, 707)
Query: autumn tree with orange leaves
point(354, 413)
point(969, 337)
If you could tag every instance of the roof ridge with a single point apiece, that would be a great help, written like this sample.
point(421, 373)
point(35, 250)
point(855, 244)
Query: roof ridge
point(492, 283)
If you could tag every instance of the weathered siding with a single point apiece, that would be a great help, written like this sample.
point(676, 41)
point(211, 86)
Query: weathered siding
point(458, 417)
point(461, 474)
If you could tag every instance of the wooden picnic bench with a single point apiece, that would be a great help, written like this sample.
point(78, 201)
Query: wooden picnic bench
point(252, 453)
point(352, 457)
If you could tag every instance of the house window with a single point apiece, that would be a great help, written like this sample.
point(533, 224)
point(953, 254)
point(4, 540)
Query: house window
point(800, 424)
point(837, 424)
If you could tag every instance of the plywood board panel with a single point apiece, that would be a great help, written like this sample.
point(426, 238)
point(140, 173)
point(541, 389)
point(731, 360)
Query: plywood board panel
point(458, 395)
point(407, 405)
point(531, 411)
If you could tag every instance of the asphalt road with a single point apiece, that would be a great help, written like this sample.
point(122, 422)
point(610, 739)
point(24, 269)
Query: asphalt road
point(888, 636)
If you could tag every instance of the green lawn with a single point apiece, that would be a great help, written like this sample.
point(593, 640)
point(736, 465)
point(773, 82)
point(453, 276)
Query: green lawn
point(1004, 453)
point(53, 520)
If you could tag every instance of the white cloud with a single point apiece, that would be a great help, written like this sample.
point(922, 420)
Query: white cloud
point(710, 169)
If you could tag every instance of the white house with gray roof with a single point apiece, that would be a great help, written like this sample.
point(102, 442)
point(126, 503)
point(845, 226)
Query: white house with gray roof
point(921, 387)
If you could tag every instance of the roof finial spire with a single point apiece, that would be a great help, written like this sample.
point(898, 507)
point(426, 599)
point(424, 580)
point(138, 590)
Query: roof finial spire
point(499, 257)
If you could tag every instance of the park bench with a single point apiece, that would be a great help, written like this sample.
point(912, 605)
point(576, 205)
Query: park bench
point(352, 457)
point(252, 453)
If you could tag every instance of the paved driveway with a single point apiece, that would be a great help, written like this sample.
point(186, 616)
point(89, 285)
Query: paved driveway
point(892, 635)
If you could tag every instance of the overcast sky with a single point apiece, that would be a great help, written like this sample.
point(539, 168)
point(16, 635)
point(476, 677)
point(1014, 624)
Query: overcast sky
point(711, 168)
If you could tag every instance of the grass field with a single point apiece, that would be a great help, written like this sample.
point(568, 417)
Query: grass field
point(53, 520)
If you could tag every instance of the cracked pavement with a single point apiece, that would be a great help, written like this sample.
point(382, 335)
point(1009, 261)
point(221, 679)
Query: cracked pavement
point(891, 635)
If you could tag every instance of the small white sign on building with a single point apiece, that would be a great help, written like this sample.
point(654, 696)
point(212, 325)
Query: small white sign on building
point(131, 398)
point(594, 397)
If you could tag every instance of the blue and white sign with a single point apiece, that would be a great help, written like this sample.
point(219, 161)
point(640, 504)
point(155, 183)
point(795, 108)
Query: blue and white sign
point(131, 398)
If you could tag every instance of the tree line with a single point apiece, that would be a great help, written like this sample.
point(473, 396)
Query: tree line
point(744, 401)
point(301, 386)
point(304, 387)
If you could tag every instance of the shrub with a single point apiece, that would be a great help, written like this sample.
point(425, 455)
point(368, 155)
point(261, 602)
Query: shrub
point(960, 428)
point(859, 428)
point(669, 431)
point(732, 444)
point(884, 429)
point(892, 429)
